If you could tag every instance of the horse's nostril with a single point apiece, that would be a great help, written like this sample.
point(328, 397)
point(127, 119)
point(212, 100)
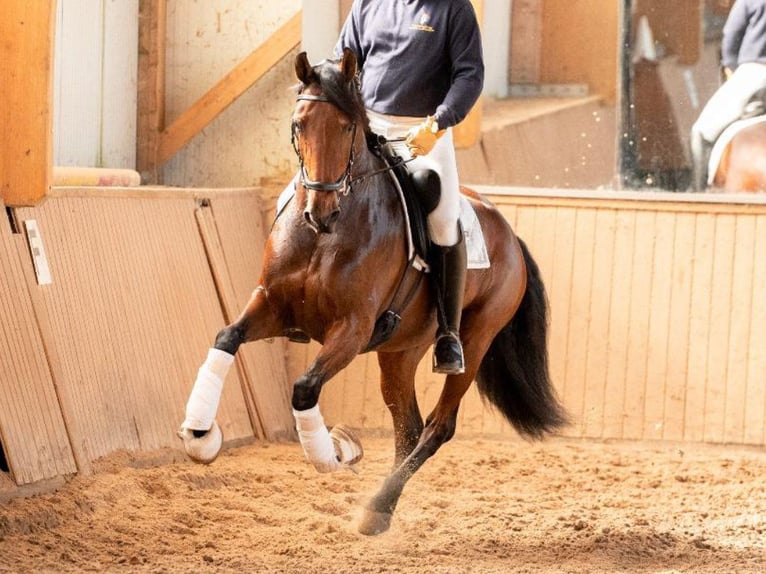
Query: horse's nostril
point(333, 217)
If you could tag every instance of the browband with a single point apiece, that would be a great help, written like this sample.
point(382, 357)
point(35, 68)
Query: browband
point(312, 98)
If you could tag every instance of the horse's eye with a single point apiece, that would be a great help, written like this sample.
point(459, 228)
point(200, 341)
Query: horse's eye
point(349, 128)
point(297, 128)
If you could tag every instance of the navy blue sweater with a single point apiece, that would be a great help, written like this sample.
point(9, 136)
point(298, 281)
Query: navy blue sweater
point(744, 34)
point(418, 57)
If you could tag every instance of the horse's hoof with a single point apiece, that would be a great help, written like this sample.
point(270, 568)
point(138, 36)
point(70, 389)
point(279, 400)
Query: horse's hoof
point(203, 449)
point(347, 446)
point(374, 522)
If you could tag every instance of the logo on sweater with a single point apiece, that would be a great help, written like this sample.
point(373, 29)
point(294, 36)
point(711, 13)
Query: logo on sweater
point(423, 25)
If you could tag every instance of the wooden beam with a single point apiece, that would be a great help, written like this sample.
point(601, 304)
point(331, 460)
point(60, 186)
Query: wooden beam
point(26, 101)
point(152, 18)
point(228, 89)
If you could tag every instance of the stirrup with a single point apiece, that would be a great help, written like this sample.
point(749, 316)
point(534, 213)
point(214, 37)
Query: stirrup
point(448, 355)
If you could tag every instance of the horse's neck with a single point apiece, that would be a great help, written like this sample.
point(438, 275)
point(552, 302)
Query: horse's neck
point(376, 190)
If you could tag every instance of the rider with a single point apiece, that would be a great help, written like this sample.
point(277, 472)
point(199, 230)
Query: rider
point(422, 70)
point(743, 56)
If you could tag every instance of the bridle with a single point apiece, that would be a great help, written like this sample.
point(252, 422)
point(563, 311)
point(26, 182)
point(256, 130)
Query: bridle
point(344, 182)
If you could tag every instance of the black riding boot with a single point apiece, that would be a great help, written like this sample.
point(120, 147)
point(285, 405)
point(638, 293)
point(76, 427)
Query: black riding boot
point(448, 270)
point(700, 152)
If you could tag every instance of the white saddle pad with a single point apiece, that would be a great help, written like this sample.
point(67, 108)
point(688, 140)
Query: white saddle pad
point(478, 258)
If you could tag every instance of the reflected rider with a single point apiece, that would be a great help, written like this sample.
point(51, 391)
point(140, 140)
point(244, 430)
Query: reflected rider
point(743, 57)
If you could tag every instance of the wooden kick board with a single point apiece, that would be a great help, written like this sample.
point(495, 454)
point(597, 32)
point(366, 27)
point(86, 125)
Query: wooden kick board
point(32, 429)
point(128, 319)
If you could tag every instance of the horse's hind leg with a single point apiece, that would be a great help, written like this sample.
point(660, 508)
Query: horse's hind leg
point(397, 385)
point(440, 427)
point(201, 435)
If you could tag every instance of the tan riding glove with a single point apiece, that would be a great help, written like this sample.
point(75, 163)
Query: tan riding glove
point(422, 139)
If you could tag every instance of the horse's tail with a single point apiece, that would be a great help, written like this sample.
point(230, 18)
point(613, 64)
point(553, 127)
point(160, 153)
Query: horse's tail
point(513, 374)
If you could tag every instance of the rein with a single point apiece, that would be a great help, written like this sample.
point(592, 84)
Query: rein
point(346, 180)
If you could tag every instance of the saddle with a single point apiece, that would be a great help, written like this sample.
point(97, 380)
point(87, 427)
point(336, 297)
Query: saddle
point(410, 195)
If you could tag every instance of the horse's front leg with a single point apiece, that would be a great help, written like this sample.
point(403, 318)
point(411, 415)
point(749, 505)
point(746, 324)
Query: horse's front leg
point(338, 448)
point(200, 432)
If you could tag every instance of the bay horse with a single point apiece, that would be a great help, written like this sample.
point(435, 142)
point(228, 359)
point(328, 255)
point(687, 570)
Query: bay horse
point(332, 263)
point(742, 164)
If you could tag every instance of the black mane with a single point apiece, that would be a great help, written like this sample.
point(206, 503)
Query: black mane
point(345, 95)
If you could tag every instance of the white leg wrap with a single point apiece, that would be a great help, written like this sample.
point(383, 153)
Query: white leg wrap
point(206, 393)
point(315, 439)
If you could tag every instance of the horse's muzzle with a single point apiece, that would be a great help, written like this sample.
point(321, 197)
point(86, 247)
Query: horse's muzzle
point(322, 211)
point(322, 223)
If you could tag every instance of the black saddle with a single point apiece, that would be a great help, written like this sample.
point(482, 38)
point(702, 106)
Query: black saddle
point(416, 210)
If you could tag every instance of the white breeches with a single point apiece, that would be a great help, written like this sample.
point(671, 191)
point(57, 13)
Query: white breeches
point(442, 221)
point(729, 101)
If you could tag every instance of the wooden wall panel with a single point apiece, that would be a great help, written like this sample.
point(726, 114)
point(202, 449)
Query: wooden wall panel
point(656, 330)
point(32, 429)
point(128, 318)
point(754, 416)
point(240, 226)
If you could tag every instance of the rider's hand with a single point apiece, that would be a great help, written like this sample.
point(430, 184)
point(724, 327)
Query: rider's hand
point(727, 72)
point(422, 139)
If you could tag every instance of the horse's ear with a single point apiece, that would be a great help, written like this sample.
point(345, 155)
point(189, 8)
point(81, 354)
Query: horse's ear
point(303, 69)
point(348, 64)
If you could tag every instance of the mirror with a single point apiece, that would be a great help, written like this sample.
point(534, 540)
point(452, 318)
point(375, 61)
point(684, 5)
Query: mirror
point(670, 70)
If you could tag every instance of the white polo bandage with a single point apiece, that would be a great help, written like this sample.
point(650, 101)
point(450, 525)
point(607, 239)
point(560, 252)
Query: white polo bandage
point(206, 393)
point(315, 439)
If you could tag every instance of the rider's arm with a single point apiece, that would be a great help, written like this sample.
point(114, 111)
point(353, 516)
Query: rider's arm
point(733, 32)
point(467, 68)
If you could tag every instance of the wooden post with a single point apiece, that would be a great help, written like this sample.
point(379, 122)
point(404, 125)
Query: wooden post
point(526, 41)
point(26, 101)
point(152, 19)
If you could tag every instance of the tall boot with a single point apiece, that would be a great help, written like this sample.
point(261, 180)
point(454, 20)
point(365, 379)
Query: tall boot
point(448, 269)
point(700, 152)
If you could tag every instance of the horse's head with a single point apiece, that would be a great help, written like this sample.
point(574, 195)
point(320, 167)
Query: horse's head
point(328, 128)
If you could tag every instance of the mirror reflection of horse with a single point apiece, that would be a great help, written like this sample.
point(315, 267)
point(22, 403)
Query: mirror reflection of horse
point(738, 159)
point(332, 264)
